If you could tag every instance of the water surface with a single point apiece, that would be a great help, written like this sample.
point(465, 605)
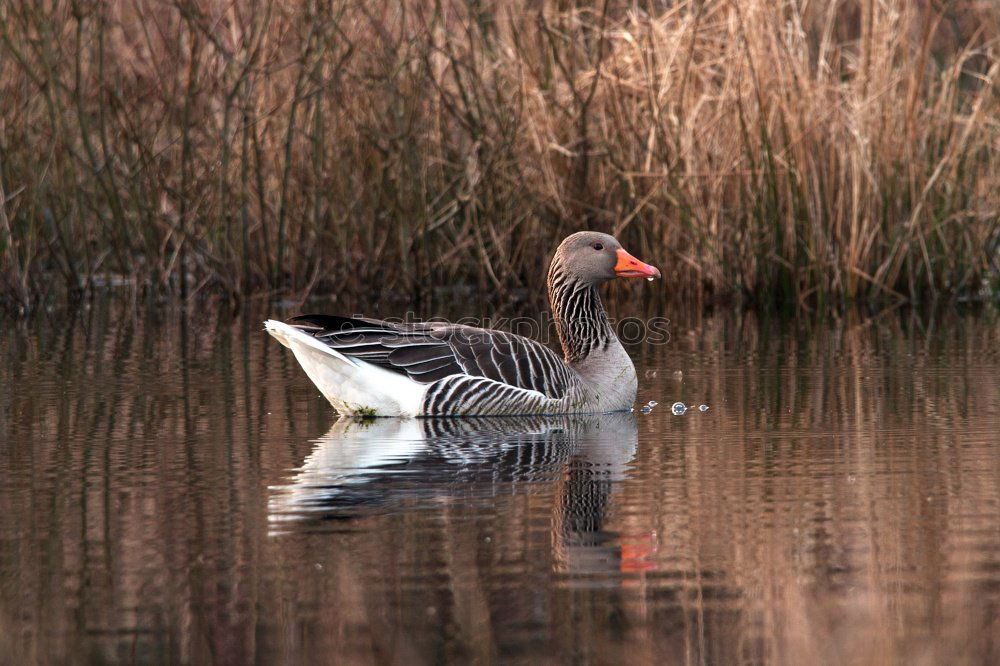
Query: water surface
point(173, 490)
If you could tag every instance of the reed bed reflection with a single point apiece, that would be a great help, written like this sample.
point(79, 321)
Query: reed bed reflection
point(838, 502)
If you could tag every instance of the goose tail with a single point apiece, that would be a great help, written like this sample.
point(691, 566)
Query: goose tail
point(352, 386)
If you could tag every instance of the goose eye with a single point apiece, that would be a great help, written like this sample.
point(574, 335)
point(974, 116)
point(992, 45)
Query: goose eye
point(598, 246)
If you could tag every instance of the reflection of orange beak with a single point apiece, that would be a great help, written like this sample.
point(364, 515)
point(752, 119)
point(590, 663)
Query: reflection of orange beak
point(629, 266)
point(638, 553)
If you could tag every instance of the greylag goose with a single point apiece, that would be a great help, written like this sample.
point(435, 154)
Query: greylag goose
point(371, 367)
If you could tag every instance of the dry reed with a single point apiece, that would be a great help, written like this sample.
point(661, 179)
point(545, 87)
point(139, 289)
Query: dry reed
point(798, 151)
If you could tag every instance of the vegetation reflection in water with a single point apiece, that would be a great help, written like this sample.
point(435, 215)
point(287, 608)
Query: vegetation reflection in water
point(175, 493)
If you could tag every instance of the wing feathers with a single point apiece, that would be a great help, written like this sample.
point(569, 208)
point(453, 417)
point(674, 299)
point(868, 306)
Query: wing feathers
point(407, 356)
point(428, 352)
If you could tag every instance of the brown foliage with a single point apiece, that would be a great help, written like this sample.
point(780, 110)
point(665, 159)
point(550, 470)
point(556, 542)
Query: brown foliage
point(807, 151)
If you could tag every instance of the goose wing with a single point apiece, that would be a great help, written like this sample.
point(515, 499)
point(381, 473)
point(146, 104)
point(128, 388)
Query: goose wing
point(429, 351)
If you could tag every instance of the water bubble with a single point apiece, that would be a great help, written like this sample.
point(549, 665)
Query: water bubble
point(646, 409)
point(652, 403)
point(678, 408)
point(702, 408)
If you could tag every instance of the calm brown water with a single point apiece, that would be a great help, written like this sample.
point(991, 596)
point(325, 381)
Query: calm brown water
point(173, 490)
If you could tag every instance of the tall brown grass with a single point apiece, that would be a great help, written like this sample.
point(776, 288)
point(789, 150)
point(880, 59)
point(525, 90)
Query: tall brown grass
point(781, 150)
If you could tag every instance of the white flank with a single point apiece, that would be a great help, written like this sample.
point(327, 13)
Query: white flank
point(352, 386)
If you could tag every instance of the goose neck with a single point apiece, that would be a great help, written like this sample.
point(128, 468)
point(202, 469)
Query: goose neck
point(581, 320)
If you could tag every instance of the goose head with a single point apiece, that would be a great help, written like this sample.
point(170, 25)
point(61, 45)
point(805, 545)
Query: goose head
point(594, 258)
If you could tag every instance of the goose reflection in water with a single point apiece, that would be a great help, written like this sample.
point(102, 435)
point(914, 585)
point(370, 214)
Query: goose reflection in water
point(365, 467)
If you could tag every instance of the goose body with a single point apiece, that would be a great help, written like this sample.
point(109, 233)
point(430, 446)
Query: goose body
point(374, 367)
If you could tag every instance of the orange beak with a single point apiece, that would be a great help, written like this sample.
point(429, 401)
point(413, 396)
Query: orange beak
point(629, 266)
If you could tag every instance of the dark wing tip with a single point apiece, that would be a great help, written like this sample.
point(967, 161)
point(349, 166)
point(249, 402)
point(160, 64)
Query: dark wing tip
point(336, 322)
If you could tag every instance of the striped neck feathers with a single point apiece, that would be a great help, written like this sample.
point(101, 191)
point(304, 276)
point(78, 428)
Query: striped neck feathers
point(581, 321)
